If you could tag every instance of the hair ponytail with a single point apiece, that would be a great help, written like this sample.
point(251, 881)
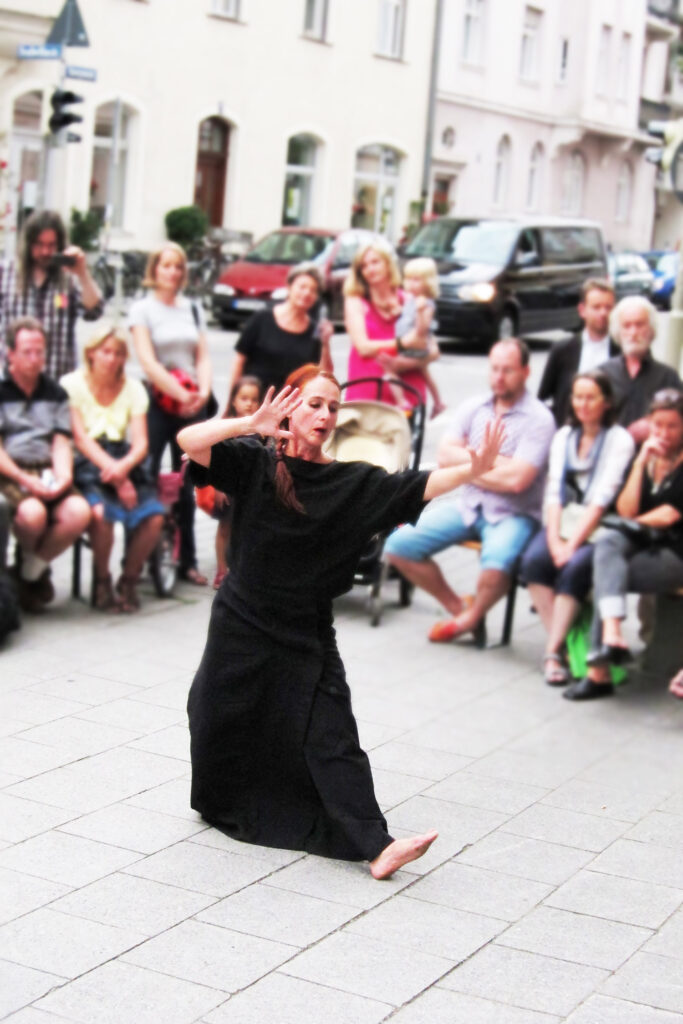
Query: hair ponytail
point(284, 485)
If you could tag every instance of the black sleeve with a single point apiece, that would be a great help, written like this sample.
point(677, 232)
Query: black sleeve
point(248, 339)
point(231, 463)
point(395, 498)
point(548, 385)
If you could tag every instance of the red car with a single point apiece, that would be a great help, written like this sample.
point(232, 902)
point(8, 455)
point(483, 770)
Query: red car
point(259, 279)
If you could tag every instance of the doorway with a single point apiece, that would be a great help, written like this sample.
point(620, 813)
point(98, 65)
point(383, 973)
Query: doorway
point(212, 167)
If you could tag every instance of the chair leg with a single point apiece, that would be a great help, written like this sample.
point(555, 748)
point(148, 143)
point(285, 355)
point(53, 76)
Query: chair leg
point(76, 568)
point(509, 613)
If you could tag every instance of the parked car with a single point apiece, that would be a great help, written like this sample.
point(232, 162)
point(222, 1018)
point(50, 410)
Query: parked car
point(259, 279)
point(505, 276)
point(664, 283)
point(653, 256)
point(629, 274)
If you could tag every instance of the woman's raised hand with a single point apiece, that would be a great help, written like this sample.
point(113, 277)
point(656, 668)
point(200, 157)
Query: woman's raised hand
point(483, 459)
point(274, 410)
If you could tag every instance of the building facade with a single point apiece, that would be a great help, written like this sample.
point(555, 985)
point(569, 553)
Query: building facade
point(538, 110)
point(264, 113)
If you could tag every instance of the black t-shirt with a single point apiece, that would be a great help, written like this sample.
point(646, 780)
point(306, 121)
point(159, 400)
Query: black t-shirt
point(669, 492)
point(272, 353)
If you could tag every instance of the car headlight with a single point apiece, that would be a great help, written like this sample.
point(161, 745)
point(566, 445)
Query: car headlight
point(482, 292)
point(279, 293)
point(223, 289)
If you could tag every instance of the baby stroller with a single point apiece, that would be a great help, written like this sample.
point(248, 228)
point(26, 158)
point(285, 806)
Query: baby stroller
point(374, 431)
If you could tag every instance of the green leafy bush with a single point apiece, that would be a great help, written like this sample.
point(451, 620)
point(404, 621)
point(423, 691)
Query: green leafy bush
point(84, 228)
point(186, 225)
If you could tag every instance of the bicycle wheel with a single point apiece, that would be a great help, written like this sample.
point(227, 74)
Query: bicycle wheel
point(163, 562)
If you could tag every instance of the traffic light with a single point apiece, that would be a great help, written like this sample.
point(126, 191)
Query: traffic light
point(62, 117)
point(668, 157)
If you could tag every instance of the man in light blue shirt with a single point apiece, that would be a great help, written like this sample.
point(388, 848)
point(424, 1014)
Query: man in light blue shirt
point(502, 509)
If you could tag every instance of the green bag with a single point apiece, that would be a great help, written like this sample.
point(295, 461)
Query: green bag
point(578, 646)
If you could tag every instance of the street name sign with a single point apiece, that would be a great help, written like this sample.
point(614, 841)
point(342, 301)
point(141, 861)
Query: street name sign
point(83, 74)
point(39, 51)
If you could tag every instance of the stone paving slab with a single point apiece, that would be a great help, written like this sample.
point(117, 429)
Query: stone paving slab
point(554, 892)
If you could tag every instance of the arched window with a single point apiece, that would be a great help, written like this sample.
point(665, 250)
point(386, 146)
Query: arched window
point(110, 161)
point(299, 180)
point(573, 179)
point(501, 171)
point(374, 189)
point(533, 186)
point(624, 191)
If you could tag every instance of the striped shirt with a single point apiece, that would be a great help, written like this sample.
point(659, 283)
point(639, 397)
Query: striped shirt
point(529, 429)
point(29, 422)
point(56, 305)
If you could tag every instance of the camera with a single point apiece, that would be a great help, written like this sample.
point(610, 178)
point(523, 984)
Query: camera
point(60, 259)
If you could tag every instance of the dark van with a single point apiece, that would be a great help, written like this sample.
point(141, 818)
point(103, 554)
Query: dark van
point(501, 276)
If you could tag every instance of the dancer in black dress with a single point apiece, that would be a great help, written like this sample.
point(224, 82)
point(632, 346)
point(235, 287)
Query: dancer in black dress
point(275, 754)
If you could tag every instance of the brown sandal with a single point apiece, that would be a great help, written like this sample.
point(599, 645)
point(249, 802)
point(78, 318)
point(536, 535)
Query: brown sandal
point(128, 595)
point(104, 599)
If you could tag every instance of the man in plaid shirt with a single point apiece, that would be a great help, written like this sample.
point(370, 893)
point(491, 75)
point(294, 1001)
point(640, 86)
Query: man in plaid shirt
point(52, 283)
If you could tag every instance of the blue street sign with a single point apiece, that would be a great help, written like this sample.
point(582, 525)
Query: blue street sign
point(84, 74)
point(39, 51)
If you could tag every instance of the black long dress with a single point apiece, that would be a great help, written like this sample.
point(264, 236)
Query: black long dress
point(275, 754)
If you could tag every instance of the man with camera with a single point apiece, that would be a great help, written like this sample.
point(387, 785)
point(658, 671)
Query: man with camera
point(51, 282)
point(36, 463)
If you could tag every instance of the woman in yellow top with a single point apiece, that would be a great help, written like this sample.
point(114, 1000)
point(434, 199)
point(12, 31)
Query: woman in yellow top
point(106, 408)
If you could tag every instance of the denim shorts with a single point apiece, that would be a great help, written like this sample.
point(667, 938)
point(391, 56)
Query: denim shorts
point(441, 525)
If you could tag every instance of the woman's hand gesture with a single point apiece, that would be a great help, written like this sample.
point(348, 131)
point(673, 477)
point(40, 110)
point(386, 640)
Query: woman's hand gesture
point(274, 410)
point(483, 459)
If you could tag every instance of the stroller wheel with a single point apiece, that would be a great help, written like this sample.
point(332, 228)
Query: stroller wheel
point(375, 606)
point(405, 593)
point(163, 564)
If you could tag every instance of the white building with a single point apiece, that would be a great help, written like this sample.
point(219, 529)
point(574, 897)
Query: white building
point(262, 111)
point(538, 110)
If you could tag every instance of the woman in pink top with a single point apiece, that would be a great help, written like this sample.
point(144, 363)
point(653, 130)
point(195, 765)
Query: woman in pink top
point(372, 305)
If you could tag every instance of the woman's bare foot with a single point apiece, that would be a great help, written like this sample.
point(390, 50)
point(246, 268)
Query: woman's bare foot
point(400, 852)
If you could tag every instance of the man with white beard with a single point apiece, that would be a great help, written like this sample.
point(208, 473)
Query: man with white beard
point(635, 375)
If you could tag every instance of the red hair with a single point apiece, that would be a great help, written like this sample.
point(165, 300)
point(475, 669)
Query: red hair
point(284, 485)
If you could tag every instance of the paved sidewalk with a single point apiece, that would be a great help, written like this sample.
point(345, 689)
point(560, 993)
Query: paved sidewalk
point(553, 893)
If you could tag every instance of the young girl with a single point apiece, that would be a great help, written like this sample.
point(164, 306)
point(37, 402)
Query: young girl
point(245, 398)
point(414, 335)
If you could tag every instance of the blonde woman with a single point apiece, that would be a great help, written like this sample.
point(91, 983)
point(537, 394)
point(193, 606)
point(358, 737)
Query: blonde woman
point(374, 302)
point(106, 406)
point(169, 335)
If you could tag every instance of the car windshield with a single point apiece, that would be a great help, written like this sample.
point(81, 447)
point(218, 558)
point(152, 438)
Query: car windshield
point(486, 241)
point(668, 264)
point(288, 247)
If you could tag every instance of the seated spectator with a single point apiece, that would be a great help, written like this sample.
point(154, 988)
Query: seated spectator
point(588, 461)
point(676, 685)
point(643, 553)
point(113, 474)
point(586, 350)
point(36, 463)
point(502, 508)
point(635, 374)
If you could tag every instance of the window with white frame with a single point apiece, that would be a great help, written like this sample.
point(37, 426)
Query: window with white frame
point(604, 57)
point(563, 60)
point(573, 178)
point(315, 19)
point(110, 161)
point(299, 176)
point(529, 53)
point(226, 8)
point(390, 29)
point(533, 186)
point(623, 66)
point(624, 192)
point(473, 32)
point(375, 186)
point(501, 171)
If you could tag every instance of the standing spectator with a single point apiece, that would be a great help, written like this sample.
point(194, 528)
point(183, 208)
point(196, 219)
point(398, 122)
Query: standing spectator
point(169, 334)
point(588, 460)
point(635, 374)
point(586, 350)
point(277, 341)
point(36, 462)
point(52, 283)
point(374, 302)
point(502, 509)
